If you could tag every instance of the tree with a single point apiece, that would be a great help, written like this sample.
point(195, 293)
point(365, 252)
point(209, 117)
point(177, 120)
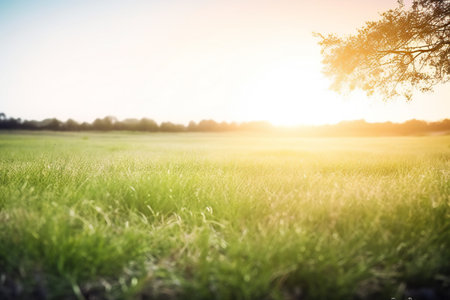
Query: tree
point(171, 127)
point(52, 124)
point(407, 49)
point(147, 125)
point(107, 123)
point(71, 125)
point(208, 125)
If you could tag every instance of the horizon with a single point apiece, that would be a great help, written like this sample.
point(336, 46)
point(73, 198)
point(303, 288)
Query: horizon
point(178, 61)
point(116, 120)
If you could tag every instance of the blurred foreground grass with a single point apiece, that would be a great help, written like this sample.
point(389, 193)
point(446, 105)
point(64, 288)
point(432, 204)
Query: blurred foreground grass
point(223, 216)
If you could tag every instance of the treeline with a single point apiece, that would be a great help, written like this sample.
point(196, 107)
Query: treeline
point(363, 128)
point(345, 128)
point(111, 124)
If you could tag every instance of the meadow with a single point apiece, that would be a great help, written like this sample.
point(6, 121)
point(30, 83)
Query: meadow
point(223, 216)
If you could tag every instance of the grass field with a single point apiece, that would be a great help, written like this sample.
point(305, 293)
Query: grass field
point(223, 216)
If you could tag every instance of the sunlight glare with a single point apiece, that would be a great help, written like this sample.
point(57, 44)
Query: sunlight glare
point(289, 94)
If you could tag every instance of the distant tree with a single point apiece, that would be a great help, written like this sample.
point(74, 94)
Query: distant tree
point(414, 127)
point(9, 123)
point(171, 127)
point(98, 124)
point(407, 49)
point(233, 126)
point(443, 125)
point(107, 123)
point(208, 125)
point(85, 126)
point(224, 126)
point(71, 125)
point(29, 125)
point(52, 124)
point(128, 124)
point(147, 125)
point(192, 126)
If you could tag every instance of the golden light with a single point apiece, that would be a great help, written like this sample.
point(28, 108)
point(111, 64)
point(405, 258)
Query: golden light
point(288, 93)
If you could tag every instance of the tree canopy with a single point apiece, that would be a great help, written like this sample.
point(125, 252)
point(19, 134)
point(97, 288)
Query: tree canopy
point(407, 49)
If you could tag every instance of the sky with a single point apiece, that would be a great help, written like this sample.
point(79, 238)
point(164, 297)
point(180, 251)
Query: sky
point(183, 60)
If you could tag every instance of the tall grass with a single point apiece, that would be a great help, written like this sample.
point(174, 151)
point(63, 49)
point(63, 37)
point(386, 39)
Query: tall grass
point(222, 216)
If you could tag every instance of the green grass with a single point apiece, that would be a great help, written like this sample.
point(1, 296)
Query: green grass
point(222, 216)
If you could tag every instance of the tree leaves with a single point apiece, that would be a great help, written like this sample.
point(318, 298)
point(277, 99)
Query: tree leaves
point(406, 50)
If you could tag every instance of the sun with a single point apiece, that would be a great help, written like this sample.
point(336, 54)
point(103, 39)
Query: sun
point(288, 94)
